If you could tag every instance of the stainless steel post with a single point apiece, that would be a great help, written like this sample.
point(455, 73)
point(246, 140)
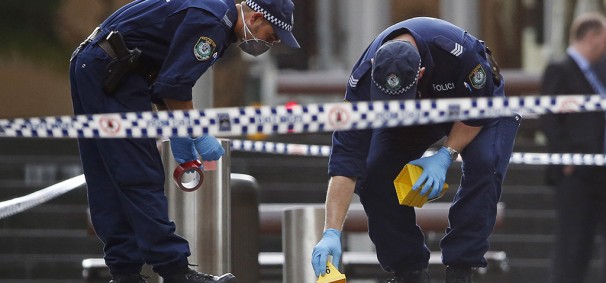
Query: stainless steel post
point(463, 13)
point(203, 216)
point(362, 21)
point(174, 195)
point(301, 230)
point(212, 218)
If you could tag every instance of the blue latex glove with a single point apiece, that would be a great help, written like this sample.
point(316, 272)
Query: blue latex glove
point(329, 245)
point(434, 172)
point(209, 148)
point(183, 149)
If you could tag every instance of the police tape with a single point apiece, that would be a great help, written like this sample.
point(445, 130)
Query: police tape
point(17, 205)
point(528, 158)
point(20, 204)
point(280, 148)
point(238, 121)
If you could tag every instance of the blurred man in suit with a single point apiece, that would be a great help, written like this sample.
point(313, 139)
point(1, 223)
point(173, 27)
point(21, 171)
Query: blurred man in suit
point(580, 191)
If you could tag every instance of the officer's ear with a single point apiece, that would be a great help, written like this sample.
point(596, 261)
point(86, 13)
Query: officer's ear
point(421, 72)
point(256, 16)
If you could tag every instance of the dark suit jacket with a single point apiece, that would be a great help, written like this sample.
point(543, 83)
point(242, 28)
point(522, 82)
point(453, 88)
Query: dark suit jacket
point(575, 132)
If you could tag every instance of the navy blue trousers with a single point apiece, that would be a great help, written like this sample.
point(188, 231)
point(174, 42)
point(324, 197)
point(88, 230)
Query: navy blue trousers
point(580, 202)
point(392, 227)
point(125, 177)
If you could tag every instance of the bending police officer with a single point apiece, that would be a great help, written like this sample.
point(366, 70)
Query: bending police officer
point(413, 59)
point(159, 49)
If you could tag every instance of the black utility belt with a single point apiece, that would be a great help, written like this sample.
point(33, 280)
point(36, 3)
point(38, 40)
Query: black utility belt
point(124, 61)
point(84, 43)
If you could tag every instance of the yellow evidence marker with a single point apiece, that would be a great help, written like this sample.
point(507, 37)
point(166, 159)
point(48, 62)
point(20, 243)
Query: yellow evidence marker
point(403, 183)
point(332, 275)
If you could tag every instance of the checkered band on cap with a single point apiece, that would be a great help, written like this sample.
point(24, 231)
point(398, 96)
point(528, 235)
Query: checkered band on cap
point(268, 16)
point(401, 90)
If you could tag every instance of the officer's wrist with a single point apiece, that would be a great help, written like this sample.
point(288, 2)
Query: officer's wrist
point(453, 153)
point(332, 231)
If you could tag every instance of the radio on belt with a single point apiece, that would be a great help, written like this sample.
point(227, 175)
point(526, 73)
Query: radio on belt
point(189, 176)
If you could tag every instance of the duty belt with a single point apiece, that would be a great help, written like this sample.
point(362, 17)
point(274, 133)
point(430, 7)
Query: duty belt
point(84, 43)
point(124, 61)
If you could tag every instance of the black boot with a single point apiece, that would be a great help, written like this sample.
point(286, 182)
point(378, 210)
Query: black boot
point(128, 278)
point(411, 276)
point(458, 274)
point(192, 276)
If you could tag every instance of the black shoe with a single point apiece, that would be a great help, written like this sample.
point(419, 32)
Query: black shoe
point(192, 276)
point(128, 278)
point(412, 276)
point(458, 274)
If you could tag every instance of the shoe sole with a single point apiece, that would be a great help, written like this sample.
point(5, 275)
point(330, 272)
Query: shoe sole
point(229, 278)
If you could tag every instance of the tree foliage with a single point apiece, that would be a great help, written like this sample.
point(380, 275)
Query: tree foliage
point(28, 30)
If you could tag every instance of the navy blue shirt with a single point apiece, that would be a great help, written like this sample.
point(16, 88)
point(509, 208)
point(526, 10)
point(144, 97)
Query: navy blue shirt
point(455, 66)
point(183, 38)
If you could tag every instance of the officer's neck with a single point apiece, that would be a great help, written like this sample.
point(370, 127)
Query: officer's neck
point(407, 37)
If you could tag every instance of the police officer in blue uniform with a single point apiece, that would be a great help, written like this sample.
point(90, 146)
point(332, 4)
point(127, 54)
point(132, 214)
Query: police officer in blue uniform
point(154, 51)
point(415, 59)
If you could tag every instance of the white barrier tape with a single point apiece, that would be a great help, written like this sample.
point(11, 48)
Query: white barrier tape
point(558, 159)
point(529, 158)
point(226, 122)
point(17, 205)
point(280, 148)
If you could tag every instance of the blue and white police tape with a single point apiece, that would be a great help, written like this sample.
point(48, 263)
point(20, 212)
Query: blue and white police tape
point(529, 158)
point(228, 122)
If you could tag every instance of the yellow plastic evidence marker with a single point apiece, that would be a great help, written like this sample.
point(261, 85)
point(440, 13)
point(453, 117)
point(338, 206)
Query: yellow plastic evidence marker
point(332, 275)
point(403, 183)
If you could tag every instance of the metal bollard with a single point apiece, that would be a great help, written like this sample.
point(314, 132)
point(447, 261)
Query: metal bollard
point(203, 216)
point(301, 230)
point(245, 228)
point(213, 226)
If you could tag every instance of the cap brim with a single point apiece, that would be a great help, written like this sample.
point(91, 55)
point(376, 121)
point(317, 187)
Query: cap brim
point(286, 37)
point(378, 94)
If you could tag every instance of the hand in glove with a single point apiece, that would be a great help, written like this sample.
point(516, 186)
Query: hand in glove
point(209, 148)
point(434, 172)
point(187, 149)
point(330, 244)
point(183, 149)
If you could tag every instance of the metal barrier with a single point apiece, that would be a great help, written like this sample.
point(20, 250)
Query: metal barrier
point(203, 216)
point(244, 228)
point(302, 226)
point(245, 238)
point(323, 83)
point(302, 229)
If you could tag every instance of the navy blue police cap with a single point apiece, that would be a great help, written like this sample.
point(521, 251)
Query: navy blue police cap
point(395, 70)
point(280, 13)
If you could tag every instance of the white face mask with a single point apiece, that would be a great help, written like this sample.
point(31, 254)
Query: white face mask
point(254, 46)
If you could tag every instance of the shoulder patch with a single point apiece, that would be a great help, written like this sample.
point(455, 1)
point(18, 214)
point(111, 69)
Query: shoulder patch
point(226, 21)
point(449, 46)
point(477, 77)
point(204, 48)
point(358, 73)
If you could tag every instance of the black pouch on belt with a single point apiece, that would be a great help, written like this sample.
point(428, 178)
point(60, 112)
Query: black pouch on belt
point(126, 61)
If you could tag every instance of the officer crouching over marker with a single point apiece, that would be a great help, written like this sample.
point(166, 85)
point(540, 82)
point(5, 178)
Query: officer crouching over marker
point(413, 59)
point(154, 51)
